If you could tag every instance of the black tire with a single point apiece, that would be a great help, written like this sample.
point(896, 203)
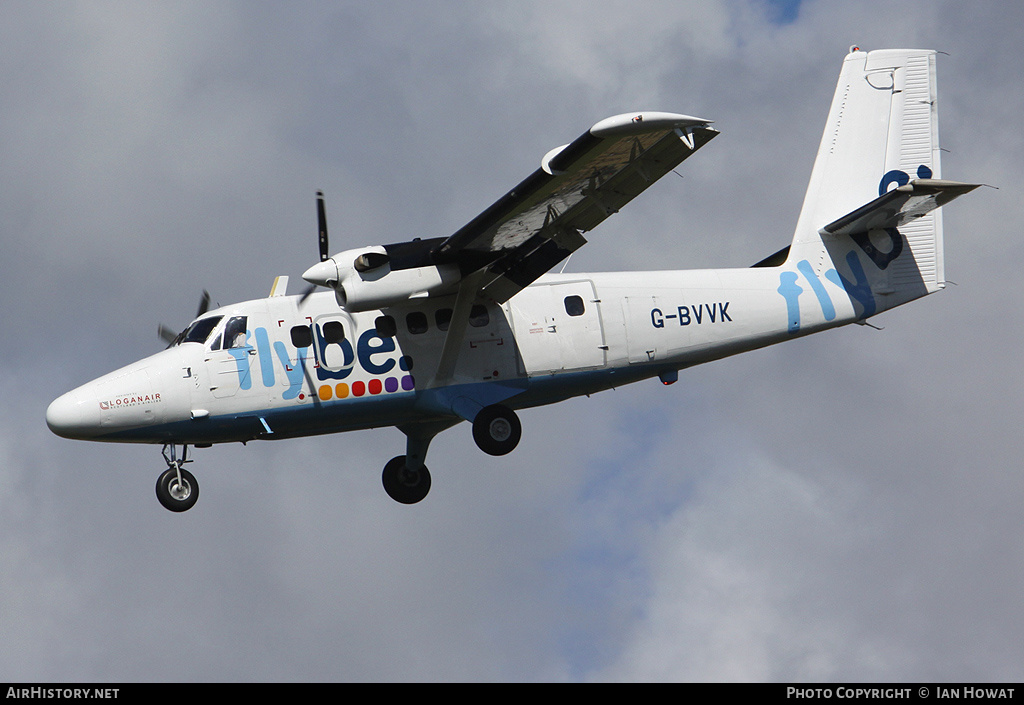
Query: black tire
point(173, 497)
point(404, 485)
point(496, 430)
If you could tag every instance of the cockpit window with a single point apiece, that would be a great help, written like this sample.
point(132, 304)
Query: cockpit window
point(234, 333)
point(200, 330)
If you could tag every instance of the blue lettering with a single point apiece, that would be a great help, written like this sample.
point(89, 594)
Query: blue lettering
point(366, 350)
point(348, 357)
point(860, 290)
point(722, 314)
point(791, 291)
point(900, 178)
point(294, 374)
point(717, 312)
point(241, 356)
point(818, 288)
point(266, 358)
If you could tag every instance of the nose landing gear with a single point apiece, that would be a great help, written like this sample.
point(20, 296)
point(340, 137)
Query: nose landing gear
point(176, 488)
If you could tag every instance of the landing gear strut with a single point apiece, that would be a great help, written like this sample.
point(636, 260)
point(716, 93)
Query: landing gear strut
point(176, 488)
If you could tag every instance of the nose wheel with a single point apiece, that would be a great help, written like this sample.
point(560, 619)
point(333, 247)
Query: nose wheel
point(176, 488)
point(405, 485)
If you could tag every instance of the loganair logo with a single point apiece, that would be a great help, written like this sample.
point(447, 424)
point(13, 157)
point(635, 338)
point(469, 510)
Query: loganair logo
point(128, 400)
point(858, 288)
point(333, 362)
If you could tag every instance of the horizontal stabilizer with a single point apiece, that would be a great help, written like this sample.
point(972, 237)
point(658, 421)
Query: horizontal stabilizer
point(899, 206)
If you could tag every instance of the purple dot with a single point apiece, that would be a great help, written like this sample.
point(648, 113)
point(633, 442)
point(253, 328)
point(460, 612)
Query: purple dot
point(408, 384)
point(391, 384)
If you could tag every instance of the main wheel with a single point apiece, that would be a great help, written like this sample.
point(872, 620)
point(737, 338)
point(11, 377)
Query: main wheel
point(496, 430)
point(175, 496)
point(404, 485)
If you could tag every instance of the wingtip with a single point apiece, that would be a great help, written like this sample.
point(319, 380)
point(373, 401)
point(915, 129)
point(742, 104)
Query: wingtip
point(644, 121)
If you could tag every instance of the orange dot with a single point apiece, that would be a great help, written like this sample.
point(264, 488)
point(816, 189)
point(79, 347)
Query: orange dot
point(325, 392)
point(341, 390)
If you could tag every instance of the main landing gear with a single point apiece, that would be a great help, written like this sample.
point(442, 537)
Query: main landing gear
point(496, 430)
point(176, 488)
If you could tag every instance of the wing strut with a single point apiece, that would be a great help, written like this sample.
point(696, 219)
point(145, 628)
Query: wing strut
point(456, 329)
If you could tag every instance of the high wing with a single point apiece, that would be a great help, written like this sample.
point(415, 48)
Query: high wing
point(527, 231)
point(539, 222)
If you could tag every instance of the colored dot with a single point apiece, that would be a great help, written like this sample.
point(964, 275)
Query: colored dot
point(408, 384)
point(341, 390)
point(391, 384)
point(405, 363)
point(375, 386)
point(325, 392)
point(358, 389)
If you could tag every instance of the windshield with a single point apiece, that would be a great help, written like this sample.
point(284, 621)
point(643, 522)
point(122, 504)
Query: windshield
point(200, 330)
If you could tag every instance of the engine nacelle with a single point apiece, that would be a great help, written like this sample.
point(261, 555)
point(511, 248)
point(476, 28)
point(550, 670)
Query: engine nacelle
point(363, 279)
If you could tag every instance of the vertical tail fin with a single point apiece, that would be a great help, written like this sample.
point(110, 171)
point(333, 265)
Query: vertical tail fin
point(881, 133)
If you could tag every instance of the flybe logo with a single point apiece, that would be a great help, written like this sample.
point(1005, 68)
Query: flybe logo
point(858, 288)
point(331, 360)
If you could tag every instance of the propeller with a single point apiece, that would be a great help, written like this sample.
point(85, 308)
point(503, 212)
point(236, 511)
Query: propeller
point(321, 217)
point(321, 214)
point(169, 335)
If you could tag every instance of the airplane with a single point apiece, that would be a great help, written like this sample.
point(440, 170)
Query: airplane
point(425, 334)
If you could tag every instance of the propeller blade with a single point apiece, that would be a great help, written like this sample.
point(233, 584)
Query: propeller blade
point(166, 334)
point(321, 214)
point(170, 336)
point(204, 304)
point(305, 294)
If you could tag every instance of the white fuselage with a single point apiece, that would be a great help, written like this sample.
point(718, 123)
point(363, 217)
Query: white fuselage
point(306, 366)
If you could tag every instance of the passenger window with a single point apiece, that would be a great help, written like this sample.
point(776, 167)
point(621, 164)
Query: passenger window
point(574, 305)
point(234, 333)
point(478, 316)
point(443, 318)
point(416, 322)
point(386, 326)
point(334, 332)
point(302, 336)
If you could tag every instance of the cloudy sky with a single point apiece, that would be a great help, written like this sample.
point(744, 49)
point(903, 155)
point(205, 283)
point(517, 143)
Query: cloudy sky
point(842, 507)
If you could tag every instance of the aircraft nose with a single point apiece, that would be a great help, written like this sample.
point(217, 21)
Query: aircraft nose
point(74, 415)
